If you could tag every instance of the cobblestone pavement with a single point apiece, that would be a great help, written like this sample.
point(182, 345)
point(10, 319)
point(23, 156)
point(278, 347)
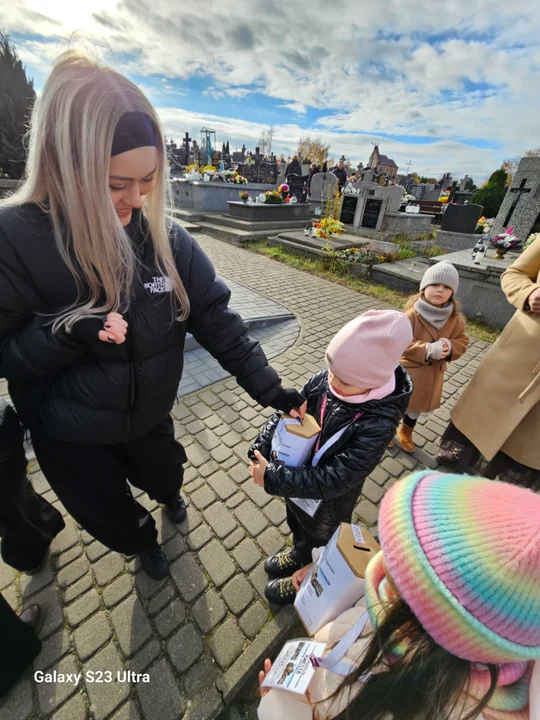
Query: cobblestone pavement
point(201, 633)
point(201, 369)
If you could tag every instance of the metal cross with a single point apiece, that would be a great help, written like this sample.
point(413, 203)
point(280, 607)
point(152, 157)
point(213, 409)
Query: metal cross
point(519, 191)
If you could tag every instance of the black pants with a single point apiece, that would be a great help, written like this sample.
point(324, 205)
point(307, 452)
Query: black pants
point(409, 421)
point(28, 523)
point(303, 542)
point(18, 648)
point(90, 481)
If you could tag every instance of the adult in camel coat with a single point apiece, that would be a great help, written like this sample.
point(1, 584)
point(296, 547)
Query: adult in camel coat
point(500, 408)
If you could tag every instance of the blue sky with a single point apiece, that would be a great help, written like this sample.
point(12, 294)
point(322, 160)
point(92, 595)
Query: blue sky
point(452, 87)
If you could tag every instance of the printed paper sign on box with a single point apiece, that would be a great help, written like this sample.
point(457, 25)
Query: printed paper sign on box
point(293, 440)
point(336, 581)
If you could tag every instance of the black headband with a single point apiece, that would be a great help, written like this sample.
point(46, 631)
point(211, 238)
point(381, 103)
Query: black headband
point(134, 130)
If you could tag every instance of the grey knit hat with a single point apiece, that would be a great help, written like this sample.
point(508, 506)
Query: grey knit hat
point(442, 273)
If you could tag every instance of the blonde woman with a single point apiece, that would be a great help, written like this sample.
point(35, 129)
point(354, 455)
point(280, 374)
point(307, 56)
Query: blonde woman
point(97, 292)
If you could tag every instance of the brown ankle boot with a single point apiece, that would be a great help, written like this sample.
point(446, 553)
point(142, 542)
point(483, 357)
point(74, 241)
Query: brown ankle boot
point(404, 434)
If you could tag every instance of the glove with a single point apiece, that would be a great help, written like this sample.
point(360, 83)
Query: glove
point(435, 350)
point(286, 399)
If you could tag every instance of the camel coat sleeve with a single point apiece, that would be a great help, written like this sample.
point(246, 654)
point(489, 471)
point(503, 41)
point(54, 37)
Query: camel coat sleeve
point(459, 340)
point(521, 278)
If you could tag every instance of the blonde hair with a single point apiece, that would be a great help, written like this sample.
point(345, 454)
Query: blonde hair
point(67, 175)
point(413, 298)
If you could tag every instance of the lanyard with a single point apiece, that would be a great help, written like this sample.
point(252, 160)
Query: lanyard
point(321, 423)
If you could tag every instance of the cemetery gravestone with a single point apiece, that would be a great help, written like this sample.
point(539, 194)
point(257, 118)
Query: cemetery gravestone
point(296, 184)
point(322, 186)
point(461, 218)
point(371, 214)
point(521, 206)
point(394, 193)
point(348, 209)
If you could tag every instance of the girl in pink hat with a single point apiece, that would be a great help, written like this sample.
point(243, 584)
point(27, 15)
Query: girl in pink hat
point(358, 402)
point(453, 612)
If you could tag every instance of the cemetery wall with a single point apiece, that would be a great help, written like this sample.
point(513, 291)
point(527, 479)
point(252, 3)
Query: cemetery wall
point(211, 197)
point(452, 241)
point(480, 294)
point(410, 223)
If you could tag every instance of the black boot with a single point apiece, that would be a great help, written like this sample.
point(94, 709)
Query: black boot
point(176, 509)
point(154, 563)
point(280, 591)
point(283, 564)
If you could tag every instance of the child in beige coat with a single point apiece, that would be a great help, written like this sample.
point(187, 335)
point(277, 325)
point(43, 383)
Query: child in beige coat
point(439, 338)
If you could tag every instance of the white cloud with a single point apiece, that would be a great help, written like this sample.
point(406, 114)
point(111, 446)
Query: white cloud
point(296, 107)
point(470, 71)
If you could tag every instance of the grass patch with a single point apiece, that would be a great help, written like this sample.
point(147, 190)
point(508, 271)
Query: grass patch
point(321, 267)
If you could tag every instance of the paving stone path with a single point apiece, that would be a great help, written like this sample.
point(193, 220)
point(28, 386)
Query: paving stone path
point(201, 633)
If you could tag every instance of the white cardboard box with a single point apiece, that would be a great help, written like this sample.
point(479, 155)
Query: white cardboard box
point(336, 581)
point(293, 440)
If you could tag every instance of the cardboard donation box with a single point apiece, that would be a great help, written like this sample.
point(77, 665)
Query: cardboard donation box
point(336, 581)
point(293, 440)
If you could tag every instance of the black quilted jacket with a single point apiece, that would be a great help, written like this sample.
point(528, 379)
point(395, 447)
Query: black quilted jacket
point(96, 392)
point(339, 476)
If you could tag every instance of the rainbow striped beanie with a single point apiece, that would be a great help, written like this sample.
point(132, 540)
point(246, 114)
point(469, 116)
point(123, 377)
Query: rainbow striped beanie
point(464, 553)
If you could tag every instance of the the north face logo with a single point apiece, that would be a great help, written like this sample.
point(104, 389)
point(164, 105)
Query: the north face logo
point(159, 285)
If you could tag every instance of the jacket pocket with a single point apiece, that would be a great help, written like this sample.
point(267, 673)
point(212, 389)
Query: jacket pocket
point(410, 364)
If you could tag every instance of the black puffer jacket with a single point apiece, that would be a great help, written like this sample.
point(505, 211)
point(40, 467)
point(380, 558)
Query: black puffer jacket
point(339, 476)
point(101, 393)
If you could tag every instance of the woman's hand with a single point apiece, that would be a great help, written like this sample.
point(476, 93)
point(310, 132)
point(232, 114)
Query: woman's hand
point(115, 329)
point(300, 412)
point(534, 301)
point(262, 675)
point(288, 400)
point(257, 468)
point(300, 575)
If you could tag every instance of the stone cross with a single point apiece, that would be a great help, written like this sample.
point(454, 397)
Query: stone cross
point(520, 208)
point(519, 191)
point(185, 143)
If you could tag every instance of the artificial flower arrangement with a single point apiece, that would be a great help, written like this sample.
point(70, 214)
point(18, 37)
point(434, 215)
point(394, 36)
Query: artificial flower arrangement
point(327, 227)
point(531, 239)
point(408, 198)
point(238, 179)
point(444, 198)
point(484, 226)
point(504, 242)
point(244, 195)
point(365, 255)
point(193, 172)
point(273, 197)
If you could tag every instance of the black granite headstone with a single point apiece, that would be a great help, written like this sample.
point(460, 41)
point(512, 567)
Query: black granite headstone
point(296, 184)
point(348, 209)
point(461, 218)
point(372, 211)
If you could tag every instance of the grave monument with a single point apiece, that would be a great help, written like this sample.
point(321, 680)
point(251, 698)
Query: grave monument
point(521, 206)
point(374, 208)
point(457, 227)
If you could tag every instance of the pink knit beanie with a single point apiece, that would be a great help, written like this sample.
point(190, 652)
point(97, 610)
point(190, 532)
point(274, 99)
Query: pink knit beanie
point(464, 553)
point(366, 352)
